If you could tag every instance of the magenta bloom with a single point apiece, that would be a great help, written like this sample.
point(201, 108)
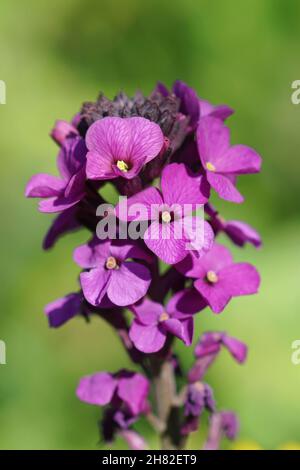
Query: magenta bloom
point(219, 278)
point(63, 309)
point(112, 273)
point(127, 387)
point(172, 228)
point(61, 193)
point(121, 147)
point(222, 162)
point(209, 347)
point(153, 322)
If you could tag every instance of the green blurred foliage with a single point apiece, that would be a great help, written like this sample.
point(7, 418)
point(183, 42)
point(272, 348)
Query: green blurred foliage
point(54, 55)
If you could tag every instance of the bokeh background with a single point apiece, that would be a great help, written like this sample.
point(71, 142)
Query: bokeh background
point(54, 55)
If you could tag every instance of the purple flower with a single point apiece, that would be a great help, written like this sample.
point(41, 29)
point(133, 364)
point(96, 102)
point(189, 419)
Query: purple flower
point(63, 309)
point(172, 228)
point(62, 130)
point(208, 348)
point(111, 272)
point(125, 387)
point(239, 232)
point(198, 398)
point(65, 222)
point(121, 147)
point(153, 322)
point(222, 424)
point(222, 162)
point(192, 106)
point(60, 193)
point(219, 278)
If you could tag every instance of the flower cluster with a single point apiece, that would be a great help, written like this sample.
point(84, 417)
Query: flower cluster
point(164, 154)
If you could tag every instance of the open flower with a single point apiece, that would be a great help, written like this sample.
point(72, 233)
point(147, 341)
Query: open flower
point(125, 387)
point(121, 147)
point(153, 322)
point(219, 278)
point(209, 347)
point(61, 193)
point(222, 162)
point(173, 231)
point(112, 272)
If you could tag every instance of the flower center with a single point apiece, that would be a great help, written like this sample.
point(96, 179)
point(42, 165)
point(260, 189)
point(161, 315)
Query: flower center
point(166, 217)
point(210, 167)
point(212, 277)
point(122, 166)
point(164, 316)
point(111, 263)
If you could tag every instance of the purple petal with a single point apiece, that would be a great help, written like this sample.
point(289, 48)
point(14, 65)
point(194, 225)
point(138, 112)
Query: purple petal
point(63, 223)
point(72, 157)
point(134, 440)
point(123, 250)
point(138, 207)
point(44, 185)
point(147, 311)
point(186, 302)
point(217, 296)
point(191, 189)
point(213, 139)
point(61, 310)
point(240, 233)
point(161, 240)
point(148, 339)
point(236, 348)
point(238, 160)
point(95, 284)
point(224, 187)
point(183, 329)
point(133, 390)
point(62, 130)
point(146, 139)
point(58, 204)
point(240, 279)
point(97, 389)
point(220, 111)
point(129, 283)
point(217, 258)
point(76, 186)
point(92, 254)
point(189, 101)
point(199, 234)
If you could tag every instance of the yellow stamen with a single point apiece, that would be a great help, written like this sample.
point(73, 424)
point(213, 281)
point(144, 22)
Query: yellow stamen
point(122, 166)
point(111, 263)
point(210, 167)
point(212, 277)
point(164, 316)
point(166, 217)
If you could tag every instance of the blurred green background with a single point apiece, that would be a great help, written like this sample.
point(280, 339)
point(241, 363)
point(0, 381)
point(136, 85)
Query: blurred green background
point(54, 55)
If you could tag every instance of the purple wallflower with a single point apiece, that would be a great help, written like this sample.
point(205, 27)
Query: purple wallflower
point(219, 278)
point(153, 322)
point(208, 348)
point(112, 272)
point(239, 232)
point(121, 147)
point(171, 226)
point(198, 398)
point(222, 162)
point(125, 387)
point(63, 309)
point(60, 193)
